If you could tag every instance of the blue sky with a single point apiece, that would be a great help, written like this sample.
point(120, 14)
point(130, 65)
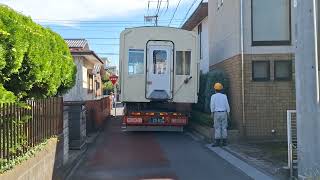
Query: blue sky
point(100, 18)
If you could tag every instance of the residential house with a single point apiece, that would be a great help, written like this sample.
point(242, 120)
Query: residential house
point(106, 61)
point(252, 41)
point(112, 70)
point(89, 70)
point(198, 22)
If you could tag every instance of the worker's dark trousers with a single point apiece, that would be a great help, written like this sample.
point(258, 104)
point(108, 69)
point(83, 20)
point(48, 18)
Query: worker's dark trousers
point(220, 125)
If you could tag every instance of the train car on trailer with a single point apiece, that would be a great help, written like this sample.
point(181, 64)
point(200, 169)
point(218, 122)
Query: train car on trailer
point(159, 77)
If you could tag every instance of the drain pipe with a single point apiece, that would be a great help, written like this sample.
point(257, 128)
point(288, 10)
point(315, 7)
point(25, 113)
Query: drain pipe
point(315, 22)
point(242, 66)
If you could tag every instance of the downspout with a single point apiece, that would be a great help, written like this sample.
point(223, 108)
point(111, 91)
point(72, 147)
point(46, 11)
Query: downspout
point(315, 22)
point(242, 66)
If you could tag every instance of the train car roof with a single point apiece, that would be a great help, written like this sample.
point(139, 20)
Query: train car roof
point(165, 27)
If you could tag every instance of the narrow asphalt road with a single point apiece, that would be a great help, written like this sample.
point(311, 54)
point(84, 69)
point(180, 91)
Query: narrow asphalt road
point(120, 155)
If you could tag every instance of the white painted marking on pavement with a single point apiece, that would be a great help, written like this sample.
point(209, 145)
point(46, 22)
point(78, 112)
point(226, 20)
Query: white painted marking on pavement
point(192, 136)
point(243, 166)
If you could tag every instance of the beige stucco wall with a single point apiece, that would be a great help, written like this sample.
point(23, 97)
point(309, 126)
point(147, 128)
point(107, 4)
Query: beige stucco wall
point(75, 93)
point(249, 49)
point(80, 91)
point(224, 30)
point(204, 61)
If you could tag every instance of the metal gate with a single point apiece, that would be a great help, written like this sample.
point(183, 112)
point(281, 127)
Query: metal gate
point(292, 141)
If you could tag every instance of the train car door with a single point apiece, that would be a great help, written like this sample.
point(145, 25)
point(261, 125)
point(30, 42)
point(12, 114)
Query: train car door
point(159, 70)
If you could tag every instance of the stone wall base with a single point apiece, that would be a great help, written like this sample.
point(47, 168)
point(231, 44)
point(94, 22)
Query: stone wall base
point(40, 167)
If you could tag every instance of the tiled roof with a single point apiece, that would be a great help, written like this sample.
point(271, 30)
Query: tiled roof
point(86, 52)
point(77, 43)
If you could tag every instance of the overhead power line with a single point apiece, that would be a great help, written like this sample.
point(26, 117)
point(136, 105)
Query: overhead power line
point(107, 53)
point(158, 7)
point(95, 38)
point(174, 13)
point(104, 44)
point(96, 21)
point(165, 7)
point(98, 30)
point(99, 26)
point(185, 17)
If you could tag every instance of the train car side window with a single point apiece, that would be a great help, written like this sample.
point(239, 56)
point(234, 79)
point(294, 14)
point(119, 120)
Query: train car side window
point(136, 61)
point(183, 62)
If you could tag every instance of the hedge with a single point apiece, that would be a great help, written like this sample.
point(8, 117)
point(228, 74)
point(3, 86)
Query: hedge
point(35, 62)
point(206, 88)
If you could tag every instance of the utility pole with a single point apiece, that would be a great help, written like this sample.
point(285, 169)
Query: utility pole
point(150, 19)
point(155, 18)
point(307, 87)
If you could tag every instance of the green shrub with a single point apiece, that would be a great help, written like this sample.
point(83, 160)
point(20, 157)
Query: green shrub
point(202, 118)
point(35, 62)
point(206, 88)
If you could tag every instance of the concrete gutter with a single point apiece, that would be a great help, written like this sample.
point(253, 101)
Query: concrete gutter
point(243, 166)
point(207, 132)
point(204, 133)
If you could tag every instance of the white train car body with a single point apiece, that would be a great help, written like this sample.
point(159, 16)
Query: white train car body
point(159, 64)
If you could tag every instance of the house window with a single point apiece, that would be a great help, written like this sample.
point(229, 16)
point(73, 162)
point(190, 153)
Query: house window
point(283, 70)
point(97, 85)
point(90, 83)
point(200, 40)
point(271, 22)
point(183, 61)
point(160, 61)
point(260, 70)
point(135, 62)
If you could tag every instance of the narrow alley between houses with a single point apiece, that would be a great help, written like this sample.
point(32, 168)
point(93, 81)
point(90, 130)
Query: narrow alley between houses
point(120, 155)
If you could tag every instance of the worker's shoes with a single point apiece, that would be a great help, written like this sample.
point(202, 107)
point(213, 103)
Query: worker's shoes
point(216, 143)
point(224, 142)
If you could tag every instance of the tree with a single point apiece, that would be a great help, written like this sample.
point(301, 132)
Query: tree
point(107, 84)
point(35, 62)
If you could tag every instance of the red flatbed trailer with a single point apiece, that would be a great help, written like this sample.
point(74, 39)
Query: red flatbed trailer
point(154, 121)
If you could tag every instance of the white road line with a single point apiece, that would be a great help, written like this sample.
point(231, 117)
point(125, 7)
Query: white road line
point(192, 136)
point(243, 166)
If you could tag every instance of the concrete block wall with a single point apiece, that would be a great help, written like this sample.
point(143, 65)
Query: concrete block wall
point(266, 102)
point(65, 135)
point(39, 167)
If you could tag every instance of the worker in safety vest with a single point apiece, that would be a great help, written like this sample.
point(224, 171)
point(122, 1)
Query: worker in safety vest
point(220, 110)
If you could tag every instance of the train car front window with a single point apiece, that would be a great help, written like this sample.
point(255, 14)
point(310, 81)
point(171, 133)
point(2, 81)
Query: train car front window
point(160, 62)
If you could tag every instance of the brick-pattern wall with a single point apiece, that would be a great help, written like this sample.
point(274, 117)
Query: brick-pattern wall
point(97, 112)
point(266, 102)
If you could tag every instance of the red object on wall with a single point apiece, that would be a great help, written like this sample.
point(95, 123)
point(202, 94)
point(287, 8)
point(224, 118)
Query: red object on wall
point(113, 79)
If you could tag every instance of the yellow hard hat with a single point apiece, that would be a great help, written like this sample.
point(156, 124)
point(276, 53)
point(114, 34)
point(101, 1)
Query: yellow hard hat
point(218, 86)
